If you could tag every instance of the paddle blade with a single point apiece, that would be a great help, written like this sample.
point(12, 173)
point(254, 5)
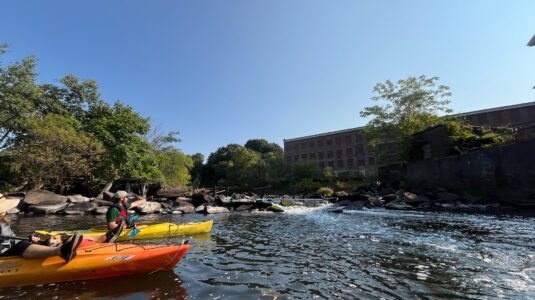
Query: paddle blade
point(133, 218)
point(134, 232)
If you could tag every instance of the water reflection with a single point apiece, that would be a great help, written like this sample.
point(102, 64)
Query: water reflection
point(160, 285)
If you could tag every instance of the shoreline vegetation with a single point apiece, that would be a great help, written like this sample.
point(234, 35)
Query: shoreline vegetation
point(66, 139)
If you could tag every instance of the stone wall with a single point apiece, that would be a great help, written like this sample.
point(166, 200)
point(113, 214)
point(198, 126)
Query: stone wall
point(505, 173)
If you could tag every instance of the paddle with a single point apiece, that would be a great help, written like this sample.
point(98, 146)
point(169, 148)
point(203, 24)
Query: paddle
point(135, 230)
point(12, 237)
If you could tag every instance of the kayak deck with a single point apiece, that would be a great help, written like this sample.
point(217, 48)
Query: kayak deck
point(97, 261)
point(153, 231)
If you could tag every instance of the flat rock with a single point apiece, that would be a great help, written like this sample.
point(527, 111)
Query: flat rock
point(48, 207)
point(77, 199)
point(216, 209)
point(398, 205)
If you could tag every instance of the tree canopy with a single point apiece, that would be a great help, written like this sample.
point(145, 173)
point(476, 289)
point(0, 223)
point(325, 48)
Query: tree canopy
point(406, 107)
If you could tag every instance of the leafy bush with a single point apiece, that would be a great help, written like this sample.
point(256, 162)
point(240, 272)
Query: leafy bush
point(325, 191)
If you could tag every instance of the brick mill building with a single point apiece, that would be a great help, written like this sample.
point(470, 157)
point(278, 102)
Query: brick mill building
point(346, 150)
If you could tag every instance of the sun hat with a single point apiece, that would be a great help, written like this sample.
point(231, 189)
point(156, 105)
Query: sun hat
point(120, 194)
point(6, 204)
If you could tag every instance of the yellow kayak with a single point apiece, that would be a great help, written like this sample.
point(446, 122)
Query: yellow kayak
point(153, 231)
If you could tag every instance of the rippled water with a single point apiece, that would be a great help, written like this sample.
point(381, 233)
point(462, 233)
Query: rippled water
point(310, 253)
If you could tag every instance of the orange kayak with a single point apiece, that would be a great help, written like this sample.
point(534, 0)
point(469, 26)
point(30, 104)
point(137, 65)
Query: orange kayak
point(91, 262)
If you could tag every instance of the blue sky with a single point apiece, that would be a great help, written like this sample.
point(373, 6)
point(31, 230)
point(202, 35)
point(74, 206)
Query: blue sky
point(224, 72)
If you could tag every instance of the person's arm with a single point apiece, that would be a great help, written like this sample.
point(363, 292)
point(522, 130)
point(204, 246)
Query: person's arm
point(138, 203)
point(112, 225)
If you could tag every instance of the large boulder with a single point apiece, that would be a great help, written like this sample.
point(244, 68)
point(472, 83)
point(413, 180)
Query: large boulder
point(413, 199)
point(184, 207)
point(34, 197)
point(216, 209)
point(276, 208)
point(48, 207)
point(150, 207)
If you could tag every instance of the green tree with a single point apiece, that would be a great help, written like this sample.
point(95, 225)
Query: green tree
point(237, 167)
point(174, 166)
point(196, 171)
point(53, 152)
point(408, 106)
point(18, 94)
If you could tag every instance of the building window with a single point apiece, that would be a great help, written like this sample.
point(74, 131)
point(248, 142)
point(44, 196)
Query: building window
point(304, 156)
point(320, 155)
point(361, 162)
point(296, 158)
point(347, 139)
point(349, 151)
point(322, 164)
point(330, 154)
point(339, 153)
point(303, 145)
point(312, 144)
point(359, 149)
point(329, 142)
point(330, 163)
point(340, 163)
point(358, 138)
point(312, 155)
point(296, 146)
point(350, 162)
point(338, 140)
point(371, 160)
point(320, 143)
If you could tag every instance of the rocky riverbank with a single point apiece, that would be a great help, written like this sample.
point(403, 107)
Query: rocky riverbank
point(46, 202)
point(437, 200)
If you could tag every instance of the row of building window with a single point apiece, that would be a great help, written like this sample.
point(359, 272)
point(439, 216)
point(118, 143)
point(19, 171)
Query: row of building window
point(359, 150)
point(348, 139)
point(340, 163)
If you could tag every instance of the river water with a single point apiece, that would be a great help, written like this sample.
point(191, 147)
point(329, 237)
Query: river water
point(314, 254)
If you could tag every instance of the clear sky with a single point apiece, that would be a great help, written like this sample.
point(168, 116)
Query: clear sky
point(224, 72)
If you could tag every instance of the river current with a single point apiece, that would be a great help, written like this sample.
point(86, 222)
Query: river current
point(314, 254)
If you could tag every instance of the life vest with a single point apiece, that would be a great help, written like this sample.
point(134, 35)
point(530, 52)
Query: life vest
point(123, 214)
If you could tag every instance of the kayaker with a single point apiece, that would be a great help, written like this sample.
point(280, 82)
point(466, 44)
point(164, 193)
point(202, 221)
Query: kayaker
point(10, 245)
point(118, 213)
